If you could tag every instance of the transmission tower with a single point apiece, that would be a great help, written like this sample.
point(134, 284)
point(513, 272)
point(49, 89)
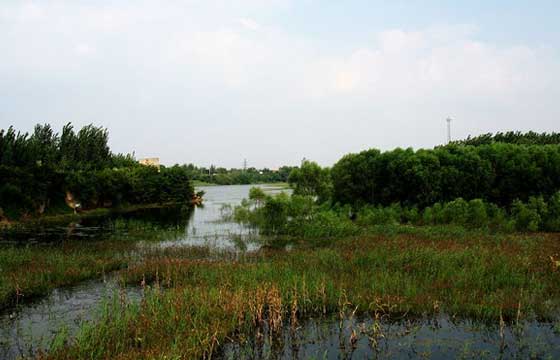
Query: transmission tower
point(448, 129)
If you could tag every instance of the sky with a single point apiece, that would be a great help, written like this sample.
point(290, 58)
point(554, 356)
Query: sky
point(274, 81)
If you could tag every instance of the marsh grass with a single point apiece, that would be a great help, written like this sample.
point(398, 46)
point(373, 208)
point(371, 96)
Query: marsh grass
point(30, 272)
point(192, 306)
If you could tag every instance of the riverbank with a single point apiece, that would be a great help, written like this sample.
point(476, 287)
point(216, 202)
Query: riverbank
point(30, 269)
point(192, 307)
point(28, 273)
point(282, 185)
point(67, 216)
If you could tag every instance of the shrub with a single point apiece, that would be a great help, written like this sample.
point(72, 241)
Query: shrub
point(372, 215)
point(455, 212)
point(552, 220)
point(477, 216)
point(256, 194)
point(275, 214)
point(411, 215)
point(526, 218)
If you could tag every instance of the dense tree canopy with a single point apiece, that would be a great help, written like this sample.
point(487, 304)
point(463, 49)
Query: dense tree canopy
point(497, 172)
point(37, 170)
point(512, 137)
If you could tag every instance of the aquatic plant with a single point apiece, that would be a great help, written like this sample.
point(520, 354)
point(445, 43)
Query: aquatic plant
point(192, 306)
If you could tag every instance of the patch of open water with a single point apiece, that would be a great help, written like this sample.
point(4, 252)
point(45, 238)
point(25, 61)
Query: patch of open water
point(426, 338)
point(32, 327)
point(29, 328)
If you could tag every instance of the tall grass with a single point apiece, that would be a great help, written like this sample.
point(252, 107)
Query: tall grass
point(192, 306)
point(29, 272)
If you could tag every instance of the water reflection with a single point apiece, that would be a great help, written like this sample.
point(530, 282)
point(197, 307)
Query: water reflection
point(29, 328)
point(437, 338)
point(171, 226)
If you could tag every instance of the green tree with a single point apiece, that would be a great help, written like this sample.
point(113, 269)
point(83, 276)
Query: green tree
point(311, 180)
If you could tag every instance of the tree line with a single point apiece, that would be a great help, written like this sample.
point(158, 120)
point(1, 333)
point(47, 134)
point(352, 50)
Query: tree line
point(233, 176)
point(38, 169)
point(498, 173)
point(512, 137)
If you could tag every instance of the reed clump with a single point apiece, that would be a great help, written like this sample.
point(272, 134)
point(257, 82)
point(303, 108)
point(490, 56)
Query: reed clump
point(192, 307)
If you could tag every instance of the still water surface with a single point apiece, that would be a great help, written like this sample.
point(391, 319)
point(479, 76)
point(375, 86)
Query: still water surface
point(32, 327)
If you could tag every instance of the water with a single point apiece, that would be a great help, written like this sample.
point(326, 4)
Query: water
point(32, 327)
point(199, 226)
point(207, 228)
point(435, 338)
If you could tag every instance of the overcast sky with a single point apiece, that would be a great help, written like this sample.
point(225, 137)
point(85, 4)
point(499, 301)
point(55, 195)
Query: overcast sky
point(273, 81)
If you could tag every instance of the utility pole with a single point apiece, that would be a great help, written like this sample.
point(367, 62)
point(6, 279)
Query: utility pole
point(244, 164)
point(448, 129)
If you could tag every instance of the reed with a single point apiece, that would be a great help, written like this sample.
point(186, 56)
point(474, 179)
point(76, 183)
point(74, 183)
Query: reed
point(193, 306)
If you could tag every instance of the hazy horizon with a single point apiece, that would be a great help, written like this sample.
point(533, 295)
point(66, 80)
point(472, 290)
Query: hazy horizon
point(274, 81)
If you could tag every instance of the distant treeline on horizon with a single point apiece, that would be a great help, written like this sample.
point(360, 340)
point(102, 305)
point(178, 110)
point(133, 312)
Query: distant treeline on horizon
point(250, 175)
point(512, 137)
point(38, 169)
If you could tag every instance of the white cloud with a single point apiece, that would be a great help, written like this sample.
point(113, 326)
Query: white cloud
point(83, 49)
point(426, 66)
point(249, 24)
point(143, 66)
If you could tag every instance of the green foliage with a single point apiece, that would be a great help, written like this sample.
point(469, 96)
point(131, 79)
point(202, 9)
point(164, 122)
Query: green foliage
point(301, 216)
point(477, 214)
point(38, 170)
point(456, 211)
point(222, 176)
point(257, 194)
point(552, 222)
point(296, 216)
point(192, 306)
point(512, 137)
point(378, 215)
point(275, 214)
point(311, 180)
point(497, 172)
point(526, 217)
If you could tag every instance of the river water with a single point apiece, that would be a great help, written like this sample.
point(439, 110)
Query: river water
point(32, 327)
point(439, 337)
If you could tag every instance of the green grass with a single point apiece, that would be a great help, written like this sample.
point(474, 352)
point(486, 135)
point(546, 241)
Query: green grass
point(191, 306)
point(30, 272)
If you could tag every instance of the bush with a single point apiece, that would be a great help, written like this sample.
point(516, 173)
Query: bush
point(257, 194)
point(411, 215)
point(371, 215)
point(275, 214)
point(526, 218)
point(455, 212)
point(324, 224)
point(552, 221)
point(477, 216)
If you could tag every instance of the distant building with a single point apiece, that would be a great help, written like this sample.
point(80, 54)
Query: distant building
point(149, 162)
